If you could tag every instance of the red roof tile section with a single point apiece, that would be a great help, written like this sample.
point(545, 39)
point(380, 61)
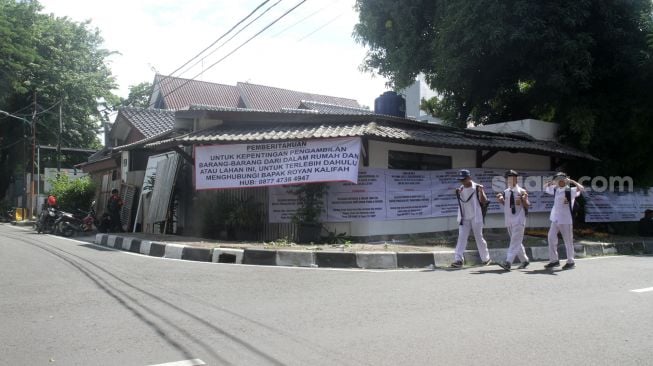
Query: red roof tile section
point(178, 97)
point(274, 99)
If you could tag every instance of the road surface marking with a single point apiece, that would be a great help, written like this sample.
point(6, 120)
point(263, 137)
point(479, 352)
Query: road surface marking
point(648, 289)
point(193, 362)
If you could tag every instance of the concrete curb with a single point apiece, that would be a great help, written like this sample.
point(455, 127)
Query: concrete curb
point(376, 260)
point(341, 259)
point(227, 255)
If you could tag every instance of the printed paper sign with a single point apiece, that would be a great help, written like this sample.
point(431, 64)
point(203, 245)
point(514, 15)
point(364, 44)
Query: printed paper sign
point(277, 163)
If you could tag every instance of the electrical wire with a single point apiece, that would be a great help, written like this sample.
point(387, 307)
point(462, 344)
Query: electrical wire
point(236, 49)
point(320, 27)
point(232, 37)
point(305, 18)
point(217, 40)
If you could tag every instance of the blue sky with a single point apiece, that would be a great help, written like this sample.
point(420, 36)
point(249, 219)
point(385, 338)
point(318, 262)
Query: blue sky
point(163, 34)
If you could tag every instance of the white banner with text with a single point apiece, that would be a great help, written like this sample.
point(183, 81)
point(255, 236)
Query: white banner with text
point(277, 163)
point(385, 194)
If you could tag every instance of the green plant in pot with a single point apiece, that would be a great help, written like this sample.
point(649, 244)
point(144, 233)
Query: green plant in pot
point(245, 219)
point(311, 203)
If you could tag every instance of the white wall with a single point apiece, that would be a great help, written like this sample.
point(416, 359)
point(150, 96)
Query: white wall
point(378, 151)
point(518, 161)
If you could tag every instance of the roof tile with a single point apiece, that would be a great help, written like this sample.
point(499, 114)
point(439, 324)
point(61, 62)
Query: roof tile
point(149, 122)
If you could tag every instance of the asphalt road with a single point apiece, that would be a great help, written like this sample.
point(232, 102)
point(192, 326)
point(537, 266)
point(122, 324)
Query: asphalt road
point(64, 302)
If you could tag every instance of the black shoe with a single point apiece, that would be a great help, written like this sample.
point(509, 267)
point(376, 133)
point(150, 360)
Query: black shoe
point(486, 263)
point(569, 265)
point(506, 266)
point(456, 264)
point(552, 264)
point(523, 265)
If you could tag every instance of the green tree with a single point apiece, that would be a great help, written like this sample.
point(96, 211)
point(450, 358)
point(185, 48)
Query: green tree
point(139, 95)
point(72, 194)
point(584, 64)
point(46, 60)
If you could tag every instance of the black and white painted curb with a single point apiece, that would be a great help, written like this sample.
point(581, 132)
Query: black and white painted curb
point(341, 259)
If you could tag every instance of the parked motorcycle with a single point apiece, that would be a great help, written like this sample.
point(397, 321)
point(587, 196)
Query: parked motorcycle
point(46, 221)
point(67, 224)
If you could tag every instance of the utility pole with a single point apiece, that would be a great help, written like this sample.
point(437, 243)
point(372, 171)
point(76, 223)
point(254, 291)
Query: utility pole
point(31, 193)
point(59, 139)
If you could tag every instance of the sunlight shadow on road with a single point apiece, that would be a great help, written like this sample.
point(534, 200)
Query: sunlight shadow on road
point(491, 271)
point(543, 271)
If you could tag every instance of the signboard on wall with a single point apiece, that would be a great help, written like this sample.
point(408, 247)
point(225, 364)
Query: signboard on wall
point(617, 206)
point(386, 194)
point(276, 163)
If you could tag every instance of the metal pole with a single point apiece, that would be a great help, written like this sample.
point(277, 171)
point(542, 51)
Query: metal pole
point(31, 192)
point(59, 139)
point(38, 183)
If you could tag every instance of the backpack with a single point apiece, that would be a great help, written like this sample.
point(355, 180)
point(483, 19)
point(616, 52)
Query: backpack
point(484, 206)
point(573, 209)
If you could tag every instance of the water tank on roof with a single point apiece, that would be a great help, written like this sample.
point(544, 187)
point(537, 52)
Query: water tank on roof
point(390, 103)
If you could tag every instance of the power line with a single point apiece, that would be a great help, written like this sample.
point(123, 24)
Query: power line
point(16, 117)
point(18, 111)
point(236, 49)
point(217, 40)
point(320, 27)
point(232, 37)
point(305, 18)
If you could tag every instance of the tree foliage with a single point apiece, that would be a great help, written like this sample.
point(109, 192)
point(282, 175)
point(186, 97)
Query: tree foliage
point(73, 194)
point(139, 95)
point(45, 60)
point(585, 64)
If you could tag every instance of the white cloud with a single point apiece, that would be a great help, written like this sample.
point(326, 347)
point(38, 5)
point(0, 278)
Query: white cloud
point(165, 33)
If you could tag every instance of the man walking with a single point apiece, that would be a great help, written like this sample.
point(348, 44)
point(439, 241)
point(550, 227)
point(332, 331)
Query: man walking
point(113, 207)
point(471, 197)
point(515, 207)
point(561, 218)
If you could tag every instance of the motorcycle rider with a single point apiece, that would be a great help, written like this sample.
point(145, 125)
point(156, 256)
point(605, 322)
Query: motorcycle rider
point(113, 207)
point(50, 202)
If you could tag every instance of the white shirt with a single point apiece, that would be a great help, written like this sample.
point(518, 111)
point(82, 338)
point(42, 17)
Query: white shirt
point(560, 213)
point(468, 207)
point(471, 208)
point(519, 217)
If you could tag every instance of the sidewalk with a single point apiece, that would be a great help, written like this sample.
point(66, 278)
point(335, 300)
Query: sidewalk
point(368, 256)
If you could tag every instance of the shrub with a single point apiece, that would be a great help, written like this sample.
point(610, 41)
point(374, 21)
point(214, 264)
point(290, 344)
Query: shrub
point(72, 194)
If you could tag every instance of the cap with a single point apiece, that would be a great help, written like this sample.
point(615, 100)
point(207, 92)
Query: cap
point(560, 175)
point(511, 173)
point(464, 173)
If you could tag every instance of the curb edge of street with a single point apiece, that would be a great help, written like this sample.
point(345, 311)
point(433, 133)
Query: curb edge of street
point(341, 259)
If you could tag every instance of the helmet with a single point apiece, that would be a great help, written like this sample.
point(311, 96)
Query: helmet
point(52, 200)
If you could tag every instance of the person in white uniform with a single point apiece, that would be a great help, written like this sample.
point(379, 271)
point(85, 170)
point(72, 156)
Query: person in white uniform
point(515, 208)
point(561, 218)
point(470, 196)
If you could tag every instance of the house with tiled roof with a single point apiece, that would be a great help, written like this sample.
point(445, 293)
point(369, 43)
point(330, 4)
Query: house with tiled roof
point(201, 116)
point(123, 162)
point(390, 147)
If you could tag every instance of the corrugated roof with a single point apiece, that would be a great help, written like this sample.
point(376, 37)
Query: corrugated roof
point(333, 108)
point(149, 122)
point(177, 96)
point(144, 141)
point(374, 127)
point(274, 99)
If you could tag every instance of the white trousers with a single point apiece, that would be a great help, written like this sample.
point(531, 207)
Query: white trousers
point(516, 248)
point(463, 235)
point(567, 232)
